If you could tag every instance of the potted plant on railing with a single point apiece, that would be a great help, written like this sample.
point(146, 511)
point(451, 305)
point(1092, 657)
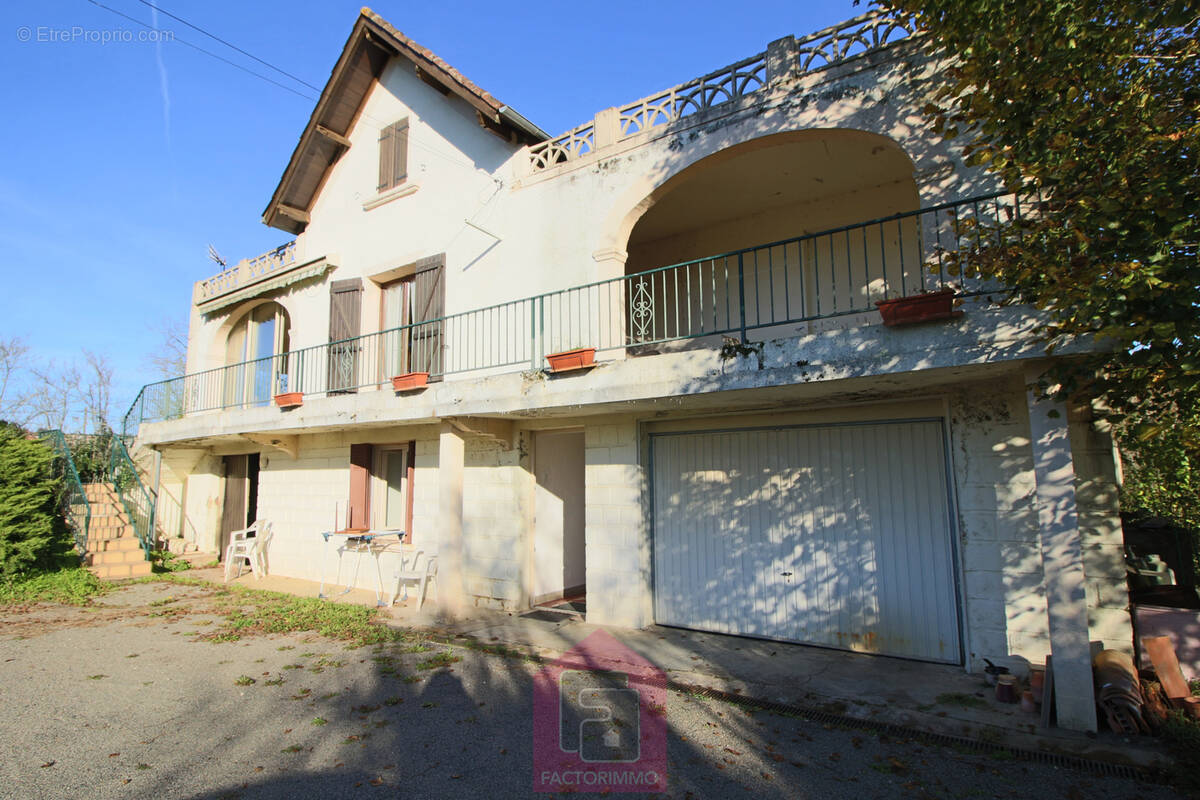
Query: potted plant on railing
point(410, 381)
point(569, 360)
point(928, 306)
point(286, 399)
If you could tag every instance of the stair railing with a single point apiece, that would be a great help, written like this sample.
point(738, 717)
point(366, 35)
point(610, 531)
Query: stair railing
point(75, 506)
point(135, 498)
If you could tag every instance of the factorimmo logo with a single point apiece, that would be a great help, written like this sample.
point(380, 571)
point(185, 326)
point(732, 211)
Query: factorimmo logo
point(600, 721)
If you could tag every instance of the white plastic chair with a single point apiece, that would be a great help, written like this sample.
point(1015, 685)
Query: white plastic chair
point(250, 545)
point(420, 573)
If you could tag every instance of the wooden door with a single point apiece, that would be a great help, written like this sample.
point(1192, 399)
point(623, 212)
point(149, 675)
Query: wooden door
point(233, 510)
point(429, 309)
point(345, 308)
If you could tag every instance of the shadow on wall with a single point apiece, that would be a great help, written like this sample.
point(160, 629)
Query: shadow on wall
point(171, 519)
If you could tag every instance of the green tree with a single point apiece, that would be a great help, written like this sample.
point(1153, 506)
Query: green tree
point(32, 534)
point(1162, 471)
point(1095, 107)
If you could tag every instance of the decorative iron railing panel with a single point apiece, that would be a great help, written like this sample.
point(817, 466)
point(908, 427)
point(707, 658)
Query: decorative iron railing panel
point(757, 290)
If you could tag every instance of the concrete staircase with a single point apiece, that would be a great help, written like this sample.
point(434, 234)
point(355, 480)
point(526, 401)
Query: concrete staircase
point(113, 549)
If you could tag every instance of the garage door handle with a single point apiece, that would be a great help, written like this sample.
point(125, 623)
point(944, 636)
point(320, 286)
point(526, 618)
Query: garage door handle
point(786, 574)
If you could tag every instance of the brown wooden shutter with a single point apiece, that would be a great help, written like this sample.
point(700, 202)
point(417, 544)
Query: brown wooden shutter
point(429, 306)
point(393, 155)
point(386, 156)
point(400, 152)
point(345, 308)
point(409, 492)
point(361, 456)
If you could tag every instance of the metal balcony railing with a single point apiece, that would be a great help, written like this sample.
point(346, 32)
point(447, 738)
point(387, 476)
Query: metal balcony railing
point(757, 290)
point(73, 501)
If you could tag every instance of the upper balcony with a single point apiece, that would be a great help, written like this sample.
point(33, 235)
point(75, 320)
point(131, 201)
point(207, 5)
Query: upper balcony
point(275, 268)
point(785, 58)
point(823, 284)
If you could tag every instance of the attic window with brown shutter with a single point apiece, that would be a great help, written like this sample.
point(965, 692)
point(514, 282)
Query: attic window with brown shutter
point(393, 155)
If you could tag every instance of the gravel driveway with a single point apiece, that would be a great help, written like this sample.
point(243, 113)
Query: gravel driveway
point(121, 699)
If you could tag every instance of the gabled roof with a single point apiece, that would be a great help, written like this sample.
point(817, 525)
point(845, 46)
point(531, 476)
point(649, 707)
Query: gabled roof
point(372, 43)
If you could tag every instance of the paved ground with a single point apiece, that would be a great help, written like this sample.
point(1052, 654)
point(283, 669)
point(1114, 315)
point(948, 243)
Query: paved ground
point(120, 700)
point(929, 697)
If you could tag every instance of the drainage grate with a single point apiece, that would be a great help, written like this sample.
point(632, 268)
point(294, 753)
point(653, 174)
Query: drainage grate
point(1092, 766)
point(545, 615)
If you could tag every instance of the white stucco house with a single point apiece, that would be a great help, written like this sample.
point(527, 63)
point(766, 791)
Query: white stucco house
point(753, 451)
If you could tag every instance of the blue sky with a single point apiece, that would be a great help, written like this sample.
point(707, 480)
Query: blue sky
point(124, 160)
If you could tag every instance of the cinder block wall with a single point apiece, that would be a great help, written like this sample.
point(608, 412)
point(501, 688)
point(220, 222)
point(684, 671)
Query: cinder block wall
point(617, 536)
point(496, 485)
point(298, 496)
point(998, 527)
point(1002, 576)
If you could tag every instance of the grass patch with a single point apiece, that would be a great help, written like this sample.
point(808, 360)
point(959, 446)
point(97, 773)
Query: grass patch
point(243, 680)
point(172, 577)
point(962, 700)
point(442, 659)
point(319, 721)
point(254, 612)
point(73, 586)
point(1181, 735)
point(164, 561)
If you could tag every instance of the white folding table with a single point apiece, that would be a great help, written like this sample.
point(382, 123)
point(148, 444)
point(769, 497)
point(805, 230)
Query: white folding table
point(359, 542)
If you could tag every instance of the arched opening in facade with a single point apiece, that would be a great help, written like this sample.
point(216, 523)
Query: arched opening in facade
point(778, 230)
point(256, 354)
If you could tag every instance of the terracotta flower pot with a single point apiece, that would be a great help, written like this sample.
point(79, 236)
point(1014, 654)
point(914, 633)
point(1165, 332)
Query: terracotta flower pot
point(918, 308)
point(410, 381)
point(289, 399)
point(572, 359)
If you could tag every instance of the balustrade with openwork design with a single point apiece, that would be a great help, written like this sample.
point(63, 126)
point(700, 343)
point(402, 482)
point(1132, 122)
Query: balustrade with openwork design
point(786, 58)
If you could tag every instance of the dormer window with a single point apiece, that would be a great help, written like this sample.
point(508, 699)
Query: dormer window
point(393, 155)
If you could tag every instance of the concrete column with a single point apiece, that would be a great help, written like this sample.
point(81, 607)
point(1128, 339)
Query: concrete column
point(451, 466)
point(1062, 563)
point(610, 263)
point(781, 59)
point(607, 127)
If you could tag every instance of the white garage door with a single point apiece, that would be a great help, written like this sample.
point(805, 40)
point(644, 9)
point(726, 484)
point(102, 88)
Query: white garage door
point(832, 535)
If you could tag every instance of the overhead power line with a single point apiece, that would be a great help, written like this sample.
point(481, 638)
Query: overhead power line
point(313, 98)
point(209, 53)
point(230, 45)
